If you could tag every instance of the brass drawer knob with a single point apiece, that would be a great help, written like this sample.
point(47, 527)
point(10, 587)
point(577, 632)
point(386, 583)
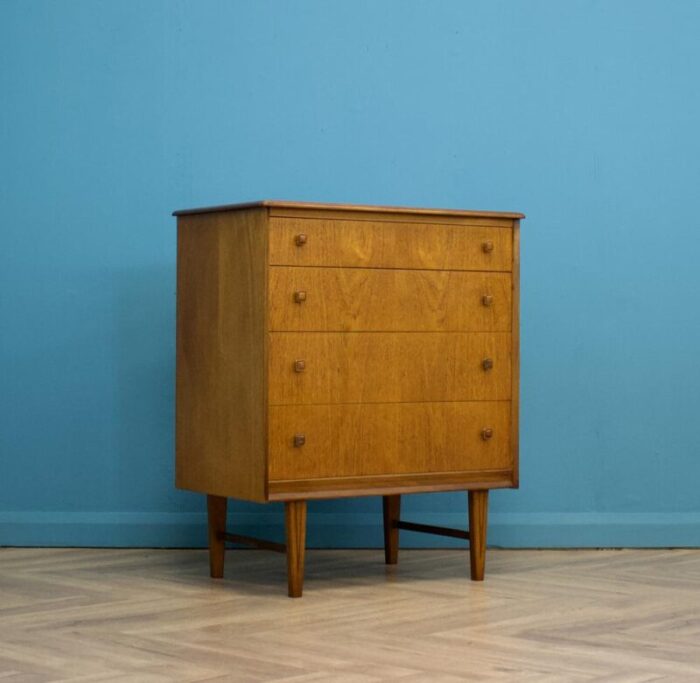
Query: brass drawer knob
point(299, 365)
point(487, 247)
point(299, 440)
point(300, 239)
point(300, 296)
point(487, 363)
point(487, 300)
point(486, 433)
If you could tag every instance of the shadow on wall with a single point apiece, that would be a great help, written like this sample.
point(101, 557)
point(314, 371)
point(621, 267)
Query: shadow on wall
point(143, 344)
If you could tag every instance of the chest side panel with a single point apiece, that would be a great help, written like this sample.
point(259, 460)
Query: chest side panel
point(220, 395)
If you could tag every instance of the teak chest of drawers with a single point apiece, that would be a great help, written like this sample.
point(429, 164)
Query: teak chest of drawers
point(334, 350)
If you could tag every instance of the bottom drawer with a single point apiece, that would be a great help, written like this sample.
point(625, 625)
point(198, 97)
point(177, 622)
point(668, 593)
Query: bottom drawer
point(387, 438)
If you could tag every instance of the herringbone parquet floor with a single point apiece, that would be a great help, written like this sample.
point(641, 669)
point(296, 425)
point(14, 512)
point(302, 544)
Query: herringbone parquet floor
point(154, 615)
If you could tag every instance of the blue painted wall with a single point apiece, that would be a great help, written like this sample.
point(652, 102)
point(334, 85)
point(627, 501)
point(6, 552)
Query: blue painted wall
point(585, 115)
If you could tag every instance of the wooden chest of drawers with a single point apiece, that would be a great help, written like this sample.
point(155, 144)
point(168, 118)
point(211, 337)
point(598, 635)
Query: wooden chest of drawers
point(334, 350)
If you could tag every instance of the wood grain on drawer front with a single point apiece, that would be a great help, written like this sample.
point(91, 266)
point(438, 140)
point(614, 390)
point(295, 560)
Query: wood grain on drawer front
point(375, 244)
point(384, 367)
point(394, 438)
point(361, 299)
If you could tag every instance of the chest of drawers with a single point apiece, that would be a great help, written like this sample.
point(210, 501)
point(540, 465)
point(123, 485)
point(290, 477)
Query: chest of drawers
point(330, 350)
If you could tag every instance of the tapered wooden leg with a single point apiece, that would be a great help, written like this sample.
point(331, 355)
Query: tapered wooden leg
point(478, 513)
point(295, 524)
point(216, 510)
point(392, 511)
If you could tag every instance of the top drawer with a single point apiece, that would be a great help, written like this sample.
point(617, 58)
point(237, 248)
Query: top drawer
point(380, 244)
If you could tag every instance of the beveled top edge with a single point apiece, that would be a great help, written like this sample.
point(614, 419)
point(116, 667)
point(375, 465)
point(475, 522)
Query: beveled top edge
point(277, 203)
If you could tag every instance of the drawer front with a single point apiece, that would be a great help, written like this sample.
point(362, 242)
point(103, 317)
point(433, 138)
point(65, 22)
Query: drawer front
point(374, 244)
point(387, 367)
point(379, 439)
point(359, 299)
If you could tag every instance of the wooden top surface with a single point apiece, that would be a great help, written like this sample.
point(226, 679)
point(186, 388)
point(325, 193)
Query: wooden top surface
point(274, 203)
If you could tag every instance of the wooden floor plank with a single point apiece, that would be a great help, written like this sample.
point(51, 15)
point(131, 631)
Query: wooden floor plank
point(79, 616)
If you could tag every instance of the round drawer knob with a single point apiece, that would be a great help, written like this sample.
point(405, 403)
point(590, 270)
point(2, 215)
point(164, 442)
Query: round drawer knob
point(487, 247)
point(487, 300)
point(486, 433)
point(300, 296)
point(299, 365)
point(300, 240)
point(487, 363)
point(299, 440)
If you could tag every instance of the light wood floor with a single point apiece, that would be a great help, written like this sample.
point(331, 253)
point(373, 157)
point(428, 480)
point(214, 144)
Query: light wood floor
point(154, 615)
